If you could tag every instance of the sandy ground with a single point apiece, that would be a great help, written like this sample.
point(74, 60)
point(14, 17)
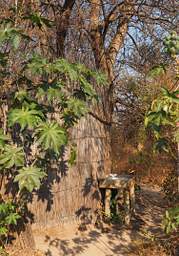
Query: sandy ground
point(113, 240)
point(90, 243)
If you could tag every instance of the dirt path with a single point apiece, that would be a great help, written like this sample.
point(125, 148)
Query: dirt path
point(113, 241)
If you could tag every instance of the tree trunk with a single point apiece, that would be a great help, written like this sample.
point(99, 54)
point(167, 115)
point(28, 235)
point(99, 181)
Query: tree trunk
point(71, 194)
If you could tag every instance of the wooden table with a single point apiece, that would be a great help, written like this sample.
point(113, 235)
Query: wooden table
point(124, 183)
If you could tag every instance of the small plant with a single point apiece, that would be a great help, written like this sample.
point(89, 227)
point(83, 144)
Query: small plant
point(8, 218)
point(116, 214)
point(171, 220)
point(169, 187)
point(148, 235)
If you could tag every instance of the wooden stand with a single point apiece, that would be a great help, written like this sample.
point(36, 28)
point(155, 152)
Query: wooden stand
point(123, 183)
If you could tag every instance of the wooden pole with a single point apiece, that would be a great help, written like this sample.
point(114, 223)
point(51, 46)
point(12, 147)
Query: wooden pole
point(107, 202)
point(177, 74)
point(178, 167)
point(127, 206)
point(132, 195)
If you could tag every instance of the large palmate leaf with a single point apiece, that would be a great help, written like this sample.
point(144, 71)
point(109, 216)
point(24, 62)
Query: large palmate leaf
point(74, 110)
point(54, 93)
point(29, 178)
point(64, 67)
point(11, 34)
point(12, 156)
point(25, 117)
point(77, 107)
point(164, 112)
point(22, 95)
point(8, 216)
point(51, 136)
point(38, 65)
point(6, 208)
point(12, 218)
point(87, 87)
point(51, 92)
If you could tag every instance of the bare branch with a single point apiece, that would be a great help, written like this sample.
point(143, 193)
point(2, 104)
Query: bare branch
point(62, 25)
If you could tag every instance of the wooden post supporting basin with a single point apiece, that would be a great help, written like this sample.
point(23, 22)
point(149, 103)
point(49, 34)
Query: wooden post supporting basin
point(123, 183)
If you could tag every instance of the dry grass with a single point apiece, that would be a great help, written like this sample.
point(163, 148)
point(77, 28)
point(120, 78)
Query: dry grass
point(146, 248)
point(24, 252)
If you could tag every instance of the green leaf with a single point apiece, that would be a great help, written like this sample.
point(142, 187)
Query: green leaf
point(51, 136)
point(54, 93)
point(16, 41)
point(29, 178)
point(38, 65)
point(25, 117)
point(11, 34)
point(77, 107)
point(87, 87)
point(165, 92)
point(22, 95)
point(12, 156)
point(51, 92)
point(3, 138)
point(6, 207)
point(64, 67)
point(38, 20)
point(171, 44)
point(146, 121)
point(173, 96)
point(171, 219)
point(100, 78)
point(174, 211)
point(161, 145)
point(3, 231)
point(12, 218)
point(73, 156)
point(3, 209)
point(153, 117)
point(157, 71)
point(74, 110)
point(155, 127)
